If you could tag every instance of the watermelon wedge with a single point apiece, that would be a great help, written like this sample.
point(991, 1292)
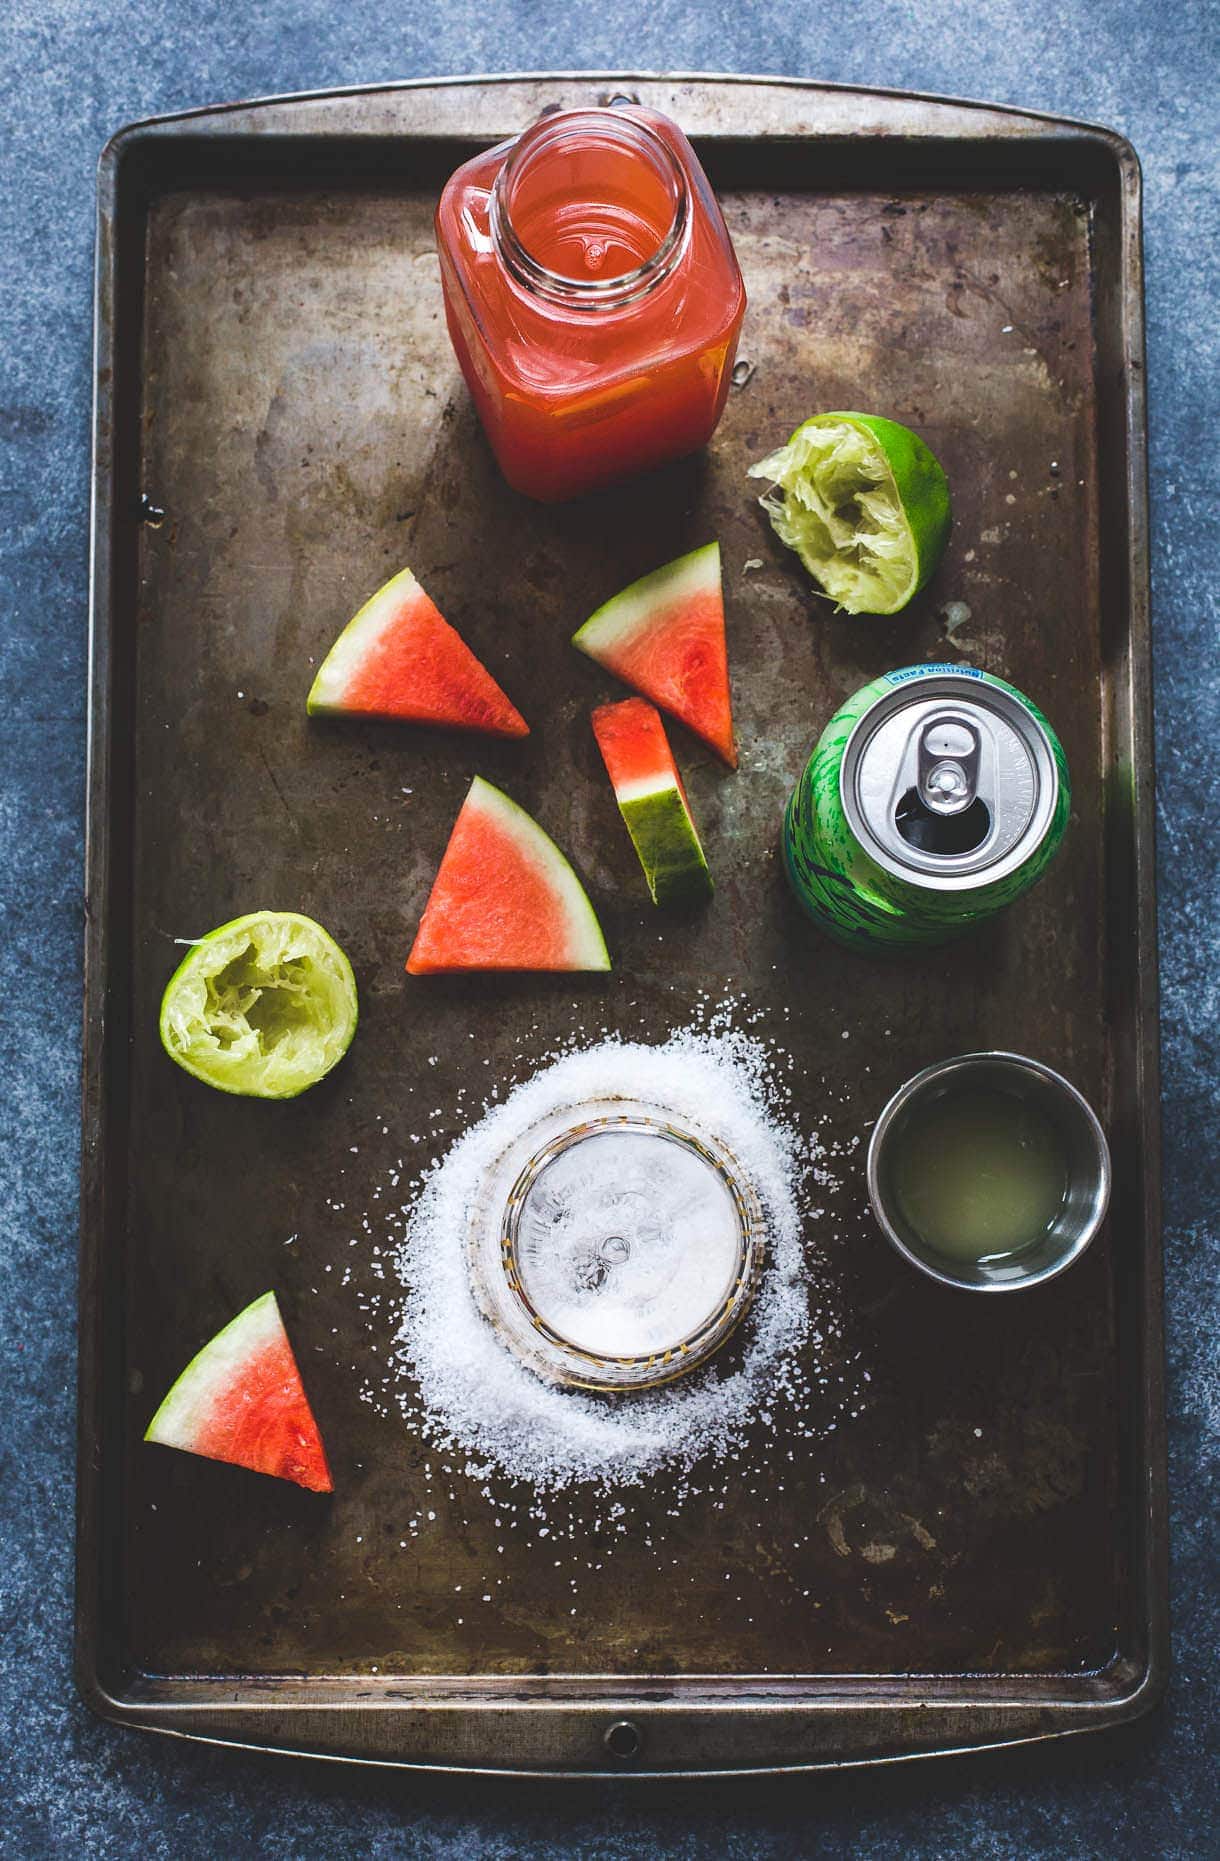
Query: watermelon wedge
point(652, 800)
point(241, 1399)
point(504, 897)
point(665, 636)
point(400, 658)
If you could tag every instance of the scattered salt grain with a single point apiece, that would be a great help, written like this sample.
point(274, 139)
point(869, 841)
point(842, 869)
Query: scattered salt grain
point(459, 1386)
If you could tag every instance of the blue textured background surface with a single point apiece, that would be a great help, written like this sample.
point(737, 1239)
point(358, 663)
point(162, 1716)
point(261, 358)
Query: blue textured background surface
point(73, 71)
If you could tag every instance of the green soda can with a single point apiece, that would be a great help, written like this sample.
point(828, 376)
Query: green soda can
point(935, 796)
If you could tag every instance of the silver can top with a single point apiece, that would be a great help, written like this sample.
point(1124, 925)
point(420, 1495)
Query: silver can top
point(615, 1249)
point(949, 782)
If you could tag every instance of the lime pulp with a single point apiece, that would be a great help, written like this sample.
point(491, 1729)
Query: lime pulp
point(263, 1006)
point(865, 505)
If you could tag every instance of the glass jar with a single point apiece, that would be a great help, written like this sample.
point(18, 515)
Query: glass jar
point(614, 1246)
point(593, 297)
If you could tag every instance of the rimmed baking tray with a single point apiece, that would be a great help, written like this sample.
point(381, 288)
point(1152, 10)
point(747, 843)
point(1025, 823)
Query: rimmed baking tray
point(976, 1556)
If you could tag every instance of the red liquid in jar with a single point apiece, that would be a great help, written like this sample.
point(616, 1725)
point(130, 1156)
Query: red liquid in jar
point(593, 298)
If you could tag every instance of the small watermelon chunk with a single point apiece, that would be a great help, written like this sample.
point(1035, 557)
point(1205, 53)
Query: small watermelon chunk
point(665, 635)
point(241, 1400)
point(504, 897)
point(400, 658)
point(652, 800)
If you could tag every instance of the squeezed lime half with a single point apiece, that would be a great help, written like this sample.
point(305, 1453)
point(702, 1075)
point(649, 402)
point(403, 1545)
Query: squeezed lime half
point(865, 505)
point(264, 1006)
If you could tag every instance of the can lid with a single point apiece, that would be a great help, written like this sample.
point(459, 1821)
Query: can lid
point(949, 782)
point(620, 1251)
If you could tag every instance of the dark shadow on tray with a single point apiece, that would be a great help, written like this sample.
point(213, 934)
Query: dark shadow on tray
point(566, 555)
point(508, 989)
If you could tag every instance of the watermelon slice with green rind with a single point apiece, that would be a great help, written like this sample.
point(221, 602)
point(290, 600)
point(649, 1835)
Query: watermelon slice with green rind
point(504, 897)
point(652, 800)
point(400, 658)
point(241, 1400)
point(664, 635)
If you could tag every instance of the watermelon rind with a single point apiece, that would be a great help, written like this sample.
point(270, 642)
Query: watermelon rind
point(652, 801)
point(328, 693)
point(354, 644)
point(626, 613)
point(627, 617)
point(668, 847)
point(214, 1371)
point(586, 944)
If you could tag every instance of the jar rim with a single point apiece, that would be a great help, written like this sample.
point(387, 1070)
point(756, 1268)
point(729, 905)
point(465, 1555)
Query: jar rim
point(590, 294)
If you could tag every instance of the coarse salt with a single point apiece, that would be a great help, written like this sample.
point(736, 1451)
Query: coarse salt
point(460, 1387)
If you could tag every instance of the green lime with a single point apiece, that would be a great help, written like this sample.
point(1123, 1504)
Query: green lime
point(263, 1006)
point(865, 505)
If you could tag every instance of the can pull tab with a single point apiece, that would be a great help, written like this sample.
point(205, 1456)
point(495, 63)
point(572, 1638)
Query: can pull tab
point(947, 777)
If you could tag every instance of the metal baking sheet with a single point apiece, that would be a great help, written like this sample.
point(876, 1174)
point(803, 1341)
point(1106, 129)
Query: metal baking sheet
point(978, 1556)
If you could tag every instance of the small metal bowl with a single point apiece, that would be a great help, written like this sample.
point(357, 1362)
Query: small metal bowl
point(1088, 1164)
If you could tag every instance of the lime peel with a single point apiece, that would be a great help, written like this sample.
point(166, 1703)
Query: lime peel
point(263, 1006)
point(865, 505)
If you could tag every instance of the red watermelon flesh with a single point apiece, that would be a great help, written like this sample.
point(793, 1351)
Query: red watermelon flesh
point(665, 636)
point(504, 897)
point(634, 747)
point(241, 1400)
point(400, 658)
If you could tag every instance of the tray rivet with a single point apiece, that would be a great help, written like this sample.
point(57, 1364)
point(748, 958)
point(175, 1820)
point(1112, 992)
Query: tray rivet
point(623, 1740)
